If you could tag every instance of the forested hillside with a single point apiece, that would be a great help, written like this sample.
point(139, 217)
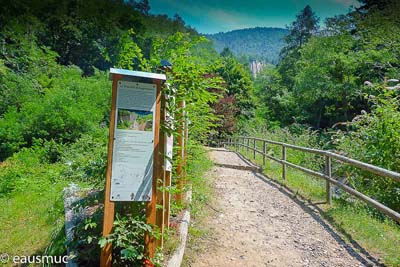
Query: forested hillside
point(260, 43)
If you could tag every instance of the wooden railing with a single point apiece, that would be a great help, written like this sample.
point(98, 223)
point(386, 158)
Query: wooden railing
point(251, 144)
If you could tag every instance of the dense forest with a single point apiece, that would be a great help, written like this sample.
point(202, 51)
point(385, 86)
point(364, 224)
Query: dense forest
point(255, 44)
point(334, 86)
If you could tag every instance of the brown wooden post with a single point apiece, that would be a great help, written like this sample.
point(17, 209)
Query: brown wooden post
point(248, 144)
point(264, 151)
point(328, 172)
point(108, 221)
point(180, 156)
point(167, 199)
point(150, 243)
point(161, 179)
point(283, 162)
point(254, 149)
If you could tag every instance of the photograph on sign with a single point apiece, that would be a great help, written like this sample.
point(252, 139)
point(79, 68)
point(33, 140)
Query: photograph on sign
point(132, 163)
point(135, 120)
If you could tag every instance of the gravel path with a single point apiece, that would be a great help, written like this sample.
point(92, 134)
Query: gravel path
point(256, 223)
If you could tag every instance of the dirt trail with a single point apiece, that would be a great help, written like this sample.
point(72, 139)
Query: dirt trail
point(255, 223)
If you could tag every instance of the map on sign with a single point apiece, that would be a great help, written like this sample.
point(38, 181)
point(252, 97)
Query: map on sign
point(132, 162)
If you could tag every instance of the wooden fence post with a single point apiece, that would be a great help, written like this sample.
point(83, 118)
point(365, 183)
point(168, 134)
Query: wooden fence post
point(283, 162)
point(328, 172)
point(248, 144)
point(264, 151)
point(254, 149)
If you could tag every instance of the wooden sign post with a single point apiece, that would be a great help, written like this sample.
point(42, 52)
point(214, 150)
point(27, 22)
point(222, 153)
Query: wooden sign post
point(134, 159)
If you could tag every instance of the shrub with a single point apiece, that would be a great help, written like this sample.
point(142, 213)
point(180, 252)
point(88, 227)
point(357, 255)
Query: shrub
point(375, 138)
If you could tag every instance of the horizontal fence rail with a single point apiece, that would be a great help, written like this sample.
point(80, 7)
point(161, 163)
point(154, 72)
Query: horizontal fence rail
point(249, 143)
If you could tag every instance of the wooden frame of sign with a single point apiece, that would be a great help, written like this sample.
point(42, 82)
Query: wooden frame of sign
point(136, 98)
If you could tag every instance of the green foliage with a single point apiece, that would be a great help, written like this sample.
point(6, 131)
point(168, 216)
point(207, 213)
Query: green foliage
point(189, 82)
point(63, 112)
point(87, 233)
point(275, 103)
point(300, 31)
point(238, 85)
point(86, 159)
point(129, 55)
point(374, 138)
point(28, 164)
point(319, 81)
point(127, 238)
point(295, 134)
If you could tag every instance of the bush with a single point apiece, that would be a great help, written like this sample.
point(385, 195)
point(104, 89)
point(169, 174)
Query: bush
point(375, 138)
point(70, 108)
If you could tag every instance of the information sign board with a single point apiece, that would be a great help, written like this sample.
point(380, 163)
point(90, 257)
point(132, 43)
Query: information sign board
point(132, 162)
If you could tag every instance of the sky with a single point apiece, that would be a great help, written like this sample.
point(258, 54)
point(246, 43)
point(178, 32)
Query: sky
point(212, 16)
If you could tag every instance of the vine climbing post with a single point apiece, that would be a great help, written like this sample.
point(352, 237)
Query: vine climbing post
point(328, 173)
point(181, 152)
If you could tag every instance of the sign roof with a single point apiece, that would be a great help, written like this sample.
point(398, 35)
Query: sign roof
point(133, 73)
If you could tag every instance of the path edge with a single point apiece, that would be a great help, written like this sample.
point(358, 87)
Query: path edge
point(176, 259)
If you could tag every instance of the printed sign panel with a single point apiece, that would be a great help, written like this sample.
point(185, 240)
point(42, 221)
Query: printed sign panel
point(132, 163)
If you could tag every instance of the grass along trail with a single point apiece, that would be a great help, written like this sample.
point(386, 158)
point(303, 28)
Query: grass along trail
point(255, 222)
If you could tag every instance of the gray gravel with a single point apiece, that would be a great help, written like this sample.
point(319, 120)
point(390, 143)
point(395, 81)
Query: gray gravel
point(257, 223)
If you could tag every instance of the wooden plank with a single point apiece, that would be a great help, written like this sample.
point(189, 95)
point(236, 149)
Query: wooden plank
point(150, 244)
point(105, 257)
